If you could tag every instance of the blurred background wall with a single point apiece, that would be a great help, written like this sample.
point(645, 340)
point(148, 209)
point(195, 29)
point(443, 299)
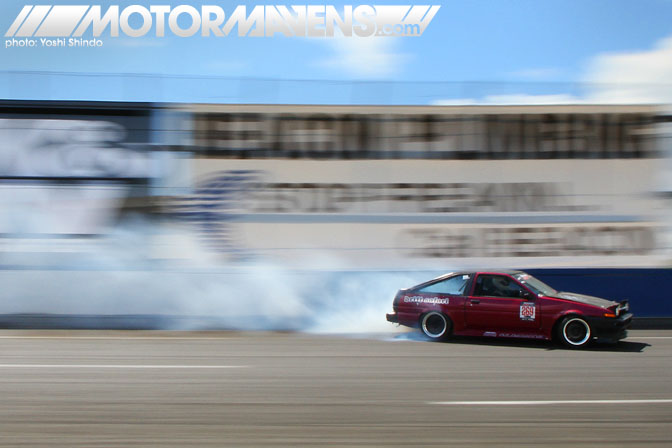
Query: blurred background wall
point(109, 185)
point(423, 187)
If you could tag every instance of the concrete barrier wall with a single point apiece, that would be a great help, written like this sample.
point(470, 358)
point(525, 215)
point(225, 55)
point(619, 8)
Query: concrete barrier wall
point(648, 290)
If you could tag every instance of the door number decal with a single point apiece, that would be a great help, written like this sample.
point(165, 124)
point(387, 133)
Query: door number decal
point(527, 311)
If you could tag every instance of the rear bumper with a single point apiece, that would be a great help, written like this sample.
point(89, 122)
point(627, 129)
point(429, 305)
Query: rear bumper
point(610, 329)
point(392, 318)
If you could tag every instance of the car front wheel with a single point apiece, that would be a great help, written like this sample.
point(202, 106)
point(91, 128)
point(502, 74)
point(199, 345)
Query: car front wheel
point(436, 326)
point(574, 332)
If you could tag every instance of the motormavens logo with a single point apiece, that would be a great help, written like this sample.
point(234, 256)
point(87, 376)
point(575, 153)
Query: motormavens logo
point(86, 25)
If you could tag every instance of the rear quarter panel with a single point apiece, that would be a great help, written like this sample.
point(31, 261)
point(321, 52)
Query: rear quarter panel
point(411, 305)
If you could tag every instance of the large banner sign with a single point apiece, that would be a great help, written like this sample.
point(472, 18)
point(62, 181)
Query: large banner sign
point(426, 214)
point(363, 132)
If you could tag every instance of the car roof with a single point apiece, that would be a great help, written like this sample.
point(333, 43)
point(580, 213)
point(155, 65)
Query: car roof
point(481, 271)
point(502, 271)
point(476, 271)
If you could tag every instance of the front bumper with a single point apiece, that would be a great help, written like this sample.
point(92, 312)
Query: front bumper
point(610, 329)
point(392, 318)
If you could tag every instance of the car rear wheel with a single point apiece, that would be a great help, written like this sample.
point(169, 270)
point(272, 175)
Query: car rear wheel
point(436, 326)
point(574, 332)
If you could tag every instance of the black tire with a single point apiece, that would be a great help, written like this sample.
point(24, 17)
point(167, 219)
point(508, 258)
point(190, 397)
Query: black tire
point(436, 326)
point(574, 332)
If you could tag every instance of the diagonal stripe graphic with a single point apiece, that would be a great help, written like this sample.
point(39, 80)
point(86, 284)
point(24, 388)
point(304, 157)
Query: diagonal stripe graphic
point(62, 20)
point(416, 13)
point(18, 21)
point(33, 21)
point(426, 20)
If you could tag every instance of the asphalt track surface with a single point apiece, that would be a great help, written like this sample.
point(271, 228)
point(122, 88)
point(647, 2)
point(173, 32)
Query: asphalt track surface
point(274, 389)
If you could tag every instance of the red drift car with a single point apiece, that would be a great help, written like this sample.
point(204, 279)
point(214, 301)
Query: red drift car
point(509, 304)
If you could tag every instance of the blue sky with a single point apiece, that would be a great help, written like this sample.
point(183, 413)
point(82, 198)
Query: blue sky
point(472, 51)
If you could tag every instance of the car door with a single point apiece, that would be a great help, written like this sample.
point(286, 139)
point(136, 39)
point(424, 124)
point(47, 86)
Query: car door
point(499, 303)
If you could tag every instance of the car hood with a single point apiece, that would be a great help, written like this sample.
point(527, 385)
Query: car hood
point(581, 298)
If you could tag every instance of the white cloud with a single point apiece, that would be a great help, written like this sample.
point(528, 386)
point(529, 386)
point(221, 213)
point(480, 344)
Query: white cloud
point(537, 74)
point(635, 77)
point(454, 102)
point(632, 77)
point(513, 99)
point(522, 98)
point(364, 58)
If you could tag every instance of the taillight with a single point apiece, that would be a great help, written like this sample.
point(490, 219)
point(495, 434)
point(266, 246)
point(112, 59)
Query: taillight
point(620, 309)
point(623, 307)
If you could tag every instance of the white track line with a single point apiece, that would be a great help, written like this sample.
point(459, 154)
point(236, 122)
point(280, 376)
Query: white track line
point(632, 338)
point(112, 366)
point(546, 402)
point(128, 338)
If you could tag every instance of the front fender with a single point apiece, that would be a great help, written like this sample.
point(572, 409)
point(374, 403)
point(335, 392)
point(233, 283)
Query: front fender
point(556, 318)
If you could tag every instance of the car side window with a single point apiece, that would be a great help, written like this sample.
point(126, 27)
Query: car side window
point(497, 286)
point(454, 286)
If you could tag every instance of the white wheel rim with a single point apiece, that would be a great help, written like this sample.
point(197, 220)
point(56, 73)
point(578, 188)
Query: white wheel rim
point(585, 325)
point(427, 331)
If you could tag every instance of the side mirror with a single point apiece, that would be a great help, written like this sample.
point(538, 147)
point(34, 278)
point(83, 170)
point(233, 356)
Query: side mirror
point(526, 295)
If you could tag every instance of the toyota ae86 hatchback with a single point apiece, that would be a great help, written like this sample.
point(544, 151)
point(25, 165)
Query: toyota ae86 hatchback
point(508, 304)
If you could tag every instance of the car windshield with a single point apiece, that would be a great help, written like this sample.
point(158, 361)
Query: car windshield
point(535, 284)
